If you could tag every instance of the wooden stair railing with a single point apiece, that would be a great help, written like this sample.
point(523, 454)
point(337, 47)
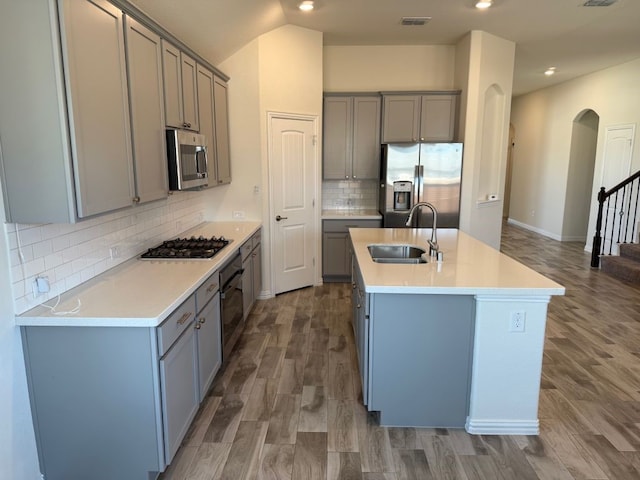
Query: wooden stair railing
point(619, 227)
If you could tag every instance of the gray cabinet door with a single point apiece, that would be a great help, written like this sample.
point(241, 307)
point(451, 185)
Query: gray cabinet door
point(209, 344)
point(247, 287)
point(438, 118)
point(180, 395)
point(223, 155)
point(172, 76)
point(335, 255)
point(95, 67)
point(190, 117)
point(207, 119)
point(366, 138)
point(337, 134)
point(144, 63)
point(256, 270)
point(401, 118)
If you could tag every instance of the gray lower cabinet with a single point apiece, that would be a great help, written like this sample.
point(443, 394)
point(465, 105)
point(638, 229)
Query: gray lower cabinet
point(415, 356)
point(209, 333)
point(116, 402)
point(336, 247)
point(252, 277)
point(360, 302)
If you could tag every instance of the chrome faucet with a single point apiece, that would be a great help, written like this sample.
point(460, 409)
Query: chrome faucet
point(434, 250)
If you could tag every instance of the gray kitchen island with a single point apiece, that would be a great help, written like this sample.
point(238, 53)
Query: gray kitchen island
point(451, 343)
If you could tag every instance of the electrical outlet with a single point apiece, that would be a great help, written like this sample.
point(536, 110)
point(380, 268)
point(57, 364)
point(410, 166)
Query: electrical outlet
point(114, 252)
point(40, 285)
point(517, 321)
point(238, 214)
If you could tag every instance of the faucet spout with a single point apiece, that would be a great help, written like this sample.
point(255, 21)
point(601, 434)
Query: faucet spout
point(433, 242)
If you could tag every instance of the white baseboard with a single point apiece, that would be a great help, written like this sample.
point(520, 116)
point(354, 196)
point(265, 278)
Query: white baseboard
point(534, 229)
point(502, 427)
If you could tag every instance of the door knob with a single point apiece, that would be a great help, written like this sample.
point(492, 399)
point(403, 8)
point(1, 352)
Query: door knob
point(278, 218)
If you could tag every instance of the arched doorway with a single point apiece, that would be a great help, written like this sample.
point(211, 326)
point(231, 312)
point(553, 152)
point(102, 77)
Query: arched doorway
point(582, 158)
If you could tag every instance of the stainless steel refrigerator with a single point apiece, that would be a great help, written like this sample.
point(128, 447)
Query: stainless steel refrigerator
point(420, 172)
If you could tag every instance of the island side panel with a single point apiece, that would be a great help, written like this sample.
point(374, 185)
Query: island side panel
point(507, 366)
point(94, 401)
point(421, 350)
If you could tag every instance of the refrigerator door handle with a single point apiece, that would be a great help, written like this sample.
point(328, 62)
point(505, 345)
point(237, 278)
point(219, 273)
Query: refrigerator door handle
point(420, 184)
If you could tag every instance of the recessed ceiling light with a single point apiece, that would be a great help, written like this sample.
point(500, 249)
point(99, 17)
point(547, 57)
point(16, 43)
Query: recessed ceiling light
point(482, 4)
point(306, 6)
point(550, 71)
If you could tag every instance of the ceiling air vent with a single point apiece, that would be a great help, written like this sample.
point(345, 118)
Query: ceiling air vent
point(598, 3)
point(414, 20)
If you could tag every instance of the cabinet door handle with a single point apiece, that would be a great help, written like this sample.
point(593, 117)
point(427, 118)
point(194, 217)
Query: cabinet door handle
point(197, 326)
point(184, 318)
point(212, 287)
point(202, 319)
point(136, 199)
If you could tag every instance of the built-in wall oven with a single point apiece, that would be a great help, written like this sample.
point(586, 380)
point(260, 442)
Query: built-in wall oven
point(231, 303)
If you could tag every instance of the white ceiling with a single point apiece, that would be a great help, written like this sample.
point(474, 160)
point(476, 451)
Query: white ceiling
point(575, 39)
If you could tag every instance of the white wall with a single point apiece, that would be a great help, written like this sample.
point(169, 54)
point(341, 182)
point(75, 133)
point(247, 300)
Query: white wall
point(280, 71)
point(543, 122)
point(379, 68)
point(484, 68)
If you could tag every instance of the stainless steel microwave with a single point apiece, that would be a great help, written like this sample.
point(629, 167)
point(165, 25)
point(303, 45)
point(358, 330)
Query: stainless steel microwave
point(187, 156)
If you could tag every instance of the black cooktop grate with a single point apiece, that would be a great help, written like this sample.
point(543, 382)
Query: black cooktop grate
point(184, 248)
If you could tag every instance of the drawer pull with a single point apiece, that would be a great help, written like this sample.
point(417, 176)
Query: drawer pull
point(184, 318)
point(212, 287)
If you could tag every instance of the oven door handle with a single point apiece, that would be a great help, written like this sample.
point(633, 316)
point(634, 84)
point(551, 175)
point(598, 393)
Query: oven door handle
point(231, 283)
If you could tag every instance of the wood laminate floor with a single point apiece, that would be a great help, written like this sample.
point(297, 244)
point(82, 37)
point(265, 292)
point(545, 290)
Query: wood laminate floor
point(287, 403)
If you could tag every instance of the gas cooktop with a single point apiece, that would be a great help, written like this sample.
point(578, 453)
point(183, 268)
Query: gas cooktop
point(187, 248)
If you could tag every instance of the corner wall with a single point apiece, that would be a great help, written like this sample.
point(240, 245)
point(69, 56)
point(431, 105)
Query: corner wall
point(484, 71)
point(280, 71)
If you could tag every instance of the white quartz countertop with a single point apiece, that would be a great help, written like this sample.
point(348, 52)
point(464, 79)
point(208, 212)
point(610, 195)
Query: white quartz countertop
point(140, 293)
point(470, 267)
point(351, 214)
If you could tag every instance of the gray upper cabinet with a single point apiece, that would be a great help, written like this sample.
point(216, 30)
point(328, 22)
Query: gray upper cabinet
point(180, 88)
point(81, 123)
point(205, 84)
point(429, 117)
point(351, 145)
point(98, 105)
point(401, 118)
point(144, 63)
point(212, 107)
point(438, 118)
point(223, 155)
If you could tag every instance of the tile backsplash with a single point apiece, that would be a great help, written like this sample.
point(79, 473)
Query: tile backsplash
point(344, 195)
point(69, 254)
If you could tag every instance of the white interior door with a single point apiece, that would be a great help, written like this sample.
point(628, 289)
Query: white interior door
point(292, 167)
point(616, 167)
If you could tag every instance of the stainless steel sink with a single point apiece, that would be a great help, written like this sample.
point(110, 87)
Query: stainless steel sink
point(397, 253)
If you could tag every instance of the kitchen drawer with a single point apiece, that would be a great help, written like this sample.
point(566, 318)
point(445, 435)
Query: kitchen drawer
point(256, 239)
point(343, 226)
point(207, 291)
point(245, 249)
point(178, 321)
